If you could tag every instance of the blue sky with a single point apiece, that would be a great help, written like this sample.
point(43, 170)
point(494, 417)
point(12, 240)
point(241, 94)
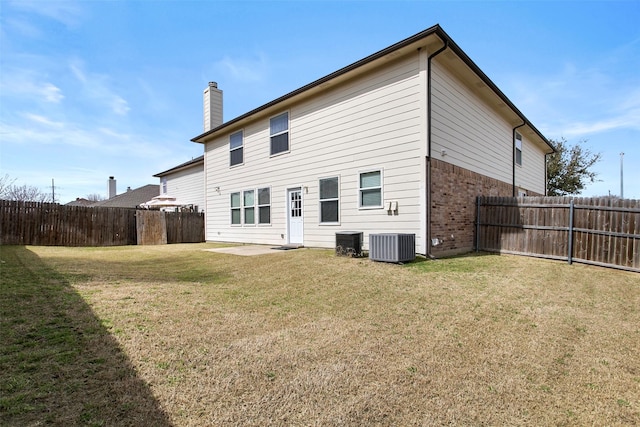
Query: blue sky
point(92, 89)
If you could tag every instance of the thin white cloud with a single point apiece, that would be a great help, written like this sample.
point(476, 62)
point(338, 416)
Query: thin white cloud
point(577, 102)
point(244, 70)
point(29, 83)
point(39, 119)
point(22, 27)
point(114, 134)
point(76, 68)
point(97, 87)
point(119, 105)
point(67, 12)
point(52, 93)
point(630, 120)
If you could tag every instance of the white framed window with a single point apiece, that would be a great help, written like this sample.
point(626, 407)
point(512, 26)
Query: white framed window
point(235, 209)
point(163, 181)
point(329, 200)
point(279, 131)
point(248, 207)
point(264, 205)
point(370, 189)
point(518, 145)
point(236, 149)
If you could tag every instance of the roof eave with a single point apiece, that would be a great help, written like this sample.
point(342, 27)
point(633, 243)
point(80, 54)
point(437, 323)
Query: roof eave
point(437, 30)
point(186, 165)
point(380, 54)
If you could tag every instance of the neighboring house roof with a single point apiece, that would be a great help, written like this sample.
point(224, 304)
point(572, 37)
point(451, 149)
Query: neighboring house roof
point(416, 41)
point(131, 198)
point(185, 165)
point(80, 202)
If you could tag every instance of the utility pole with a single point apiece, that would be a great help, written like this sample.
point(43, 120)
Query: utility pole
point(621, 177)
point(53, 192)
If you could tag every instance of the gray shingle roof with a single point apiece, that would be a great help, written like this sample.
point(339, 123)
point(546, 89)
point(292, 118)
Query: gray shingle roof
point(131, 198)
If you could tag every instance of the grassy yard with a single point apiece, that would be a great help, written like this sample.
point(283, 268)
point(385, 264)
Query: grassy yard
point(177, 336)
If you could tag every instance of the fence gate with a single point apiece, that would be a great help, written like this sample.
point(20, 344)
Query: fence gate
point(151, 227)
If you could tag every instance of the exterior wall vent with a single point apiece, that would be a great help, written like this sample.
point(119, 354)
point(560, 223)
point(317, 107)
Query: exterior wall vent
point(392, 247)
point(349, 243)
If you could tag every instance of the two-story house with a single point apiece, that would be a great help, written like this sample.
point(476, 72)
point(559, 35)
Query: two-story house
point(400, 141)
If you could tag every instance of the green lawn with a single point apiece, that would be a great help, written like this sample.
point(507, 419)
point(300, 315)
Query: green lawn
point(174, 335)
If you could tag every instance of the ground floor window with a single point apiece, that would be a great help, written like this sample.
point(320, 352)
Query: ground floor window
point(243, 205)
point(235, 208)
point(371, 189)
point(329, 200)
point(264, 205)
point(248, 207)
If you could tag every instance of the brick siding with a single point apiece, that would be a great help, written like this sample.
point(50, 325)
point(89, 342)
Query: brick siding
point(453, 205)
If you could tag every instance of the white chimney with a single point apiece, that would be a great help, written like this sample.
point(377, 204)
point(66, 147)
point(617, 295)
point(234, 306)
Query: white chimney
point(111, 188)
point(212, 106)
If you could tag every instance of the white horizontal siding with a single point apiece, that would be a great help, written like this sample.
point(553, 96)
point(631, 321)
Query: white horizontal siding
point(473, 135)
point(187, 186)
point(530, 175)
point(371, 123)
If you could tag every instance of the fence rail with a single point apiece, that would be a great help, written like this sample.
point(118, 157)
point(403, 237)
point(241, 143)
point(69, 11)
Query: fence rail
point(50, 224)
point(598, 231)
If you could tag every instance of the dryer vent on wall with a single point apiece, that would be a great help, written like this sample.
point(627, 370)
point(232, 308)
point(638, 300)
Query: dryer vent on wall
point(392, 247)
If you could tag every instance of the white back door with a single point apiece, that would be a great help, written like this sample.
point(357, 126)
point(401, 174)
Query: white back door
point(295, 222)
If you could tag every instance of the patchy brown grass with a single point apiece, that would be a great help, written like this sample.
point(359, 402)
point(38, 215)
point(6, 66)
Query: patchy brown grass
point(305, 338)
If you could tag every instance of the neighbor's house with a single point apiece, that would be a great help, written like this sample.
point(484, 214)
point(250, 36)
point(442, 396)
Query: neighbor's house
point(401, 141)
point(132, 198)
point(185, 182)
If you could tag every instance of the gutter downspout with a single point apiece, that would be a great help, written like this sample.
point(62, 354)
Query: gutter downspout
point(429, 58)
point(513, 157)
point(546, 176)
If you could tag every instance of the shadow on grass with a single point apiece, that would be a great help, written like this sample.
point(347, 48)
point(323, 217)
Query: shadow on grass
point(58, 364)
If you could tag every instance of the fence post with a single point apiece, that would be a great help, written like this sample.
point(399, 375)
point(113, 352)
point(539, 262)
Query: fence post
point(570, 237)
point(478, 224)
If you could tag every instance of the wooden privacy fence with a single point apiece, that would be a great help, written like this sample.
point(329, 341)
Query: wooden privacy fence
point(50, 224)
point(598, 231)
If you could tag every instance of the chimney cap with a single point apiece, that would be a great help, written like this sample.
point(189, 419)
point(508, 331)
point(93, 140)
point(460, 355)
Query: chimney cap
point(110, 177)
point(213, 84)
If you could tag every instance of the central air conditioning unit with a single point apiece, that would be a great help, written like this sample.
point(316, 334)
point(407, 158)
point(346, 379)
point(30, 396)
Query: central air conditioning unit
point(349, 243)
point(392, 247)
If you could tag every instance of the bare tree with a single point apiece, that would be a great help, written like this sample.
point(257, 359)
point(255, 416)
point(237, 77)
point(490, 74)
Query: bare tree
point(5, 185)
point(22, 193)
point(95, 197)
point(28, 193)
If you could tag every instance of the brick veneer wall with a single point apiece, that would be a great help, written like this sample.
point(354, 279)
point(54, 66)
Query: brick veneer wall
point(453, 205)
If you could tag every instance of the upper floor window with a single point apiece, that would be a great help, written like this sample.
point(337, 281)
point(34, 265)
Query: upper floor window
point(371, 189)
point(518, 143)
point(329, 200)
point(236, 156)
point(279, 133)
point(163, 180)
